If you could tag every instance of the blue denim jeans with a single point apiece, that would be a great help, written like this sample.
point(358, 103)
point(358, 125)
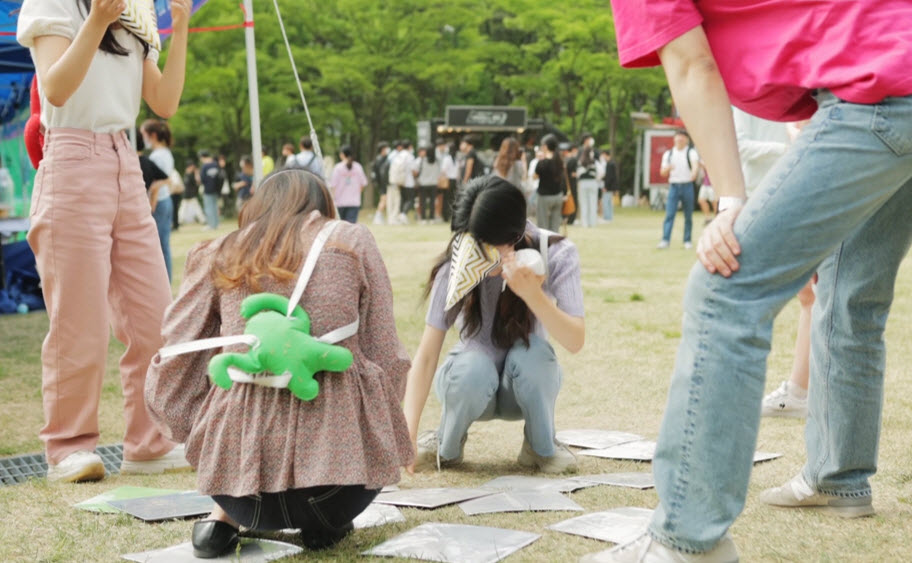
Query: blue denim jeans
point(210, 209)
point(588, 201)
point(470, 388)
point(608, 206)
point(164, 210)
point(838, 202)
point(683, 193)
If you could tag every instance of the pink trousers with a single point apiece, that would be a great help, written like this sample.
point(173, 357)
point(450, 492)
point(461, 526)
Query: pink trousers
point(101, 265)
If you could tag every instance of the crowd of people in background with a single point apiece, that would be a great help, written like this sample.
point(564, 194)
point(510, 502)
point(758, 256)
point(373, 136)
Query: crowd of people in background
point(412, 185)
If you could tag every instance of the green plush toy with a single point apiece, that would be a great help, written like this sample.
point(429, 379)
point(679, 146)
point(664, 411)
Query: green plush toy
point(285, 346)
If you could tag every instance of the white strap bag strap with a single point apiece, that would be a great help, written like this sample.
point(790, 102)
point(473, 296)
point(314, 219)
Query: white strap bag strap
point(544, 236)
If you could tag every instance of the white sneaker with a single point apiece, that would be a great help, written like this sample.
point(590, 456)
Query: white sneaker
point(378, 218)
point(798, 494)
point(172, 462)
point(428, 445)
point(403, 219)
point(688, 245)
point(644, 549)
point(782, 403)
point(563, 460)
point(662, 245)
point(77, 467)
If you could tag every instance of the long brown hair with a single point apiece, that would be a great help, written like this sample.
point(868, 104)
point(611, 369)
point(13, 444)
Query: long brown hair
point(268, 242)
point(507, 156)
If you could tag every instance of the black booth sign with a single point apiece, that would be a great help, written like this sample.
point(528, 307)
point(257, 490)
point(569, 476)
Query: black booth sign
point(486, 118)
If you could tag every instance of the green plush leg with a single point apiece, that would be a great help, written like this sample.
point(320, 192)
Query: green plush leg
point(219, 364)
point(332, 358)
point(303, 387)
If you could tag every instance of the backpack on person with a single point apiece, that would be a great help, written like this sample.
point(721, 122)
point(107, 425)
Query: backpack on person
point(295, 162)
point(398, 170)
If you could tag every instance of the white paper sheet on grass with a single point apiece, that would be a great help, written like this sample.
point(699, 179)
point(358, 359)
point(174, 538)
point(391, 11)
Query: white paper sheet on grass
point(378, 515)
point(595, 439)
point(529, 483)
point(430, 498)
point(644, 450)
point(520, 501)
point(252, 551)
point(454, 543)
point(634, 480)
point(619, 525)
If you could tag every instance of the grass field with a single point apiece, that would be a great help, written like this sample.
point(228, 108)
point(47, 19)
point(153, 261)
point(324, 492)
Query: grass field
point(619, 381)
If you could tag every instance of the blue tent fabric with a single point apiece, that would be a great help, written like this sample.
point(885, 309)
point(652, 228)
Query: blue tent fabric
point(21, 284)
point(16, 68)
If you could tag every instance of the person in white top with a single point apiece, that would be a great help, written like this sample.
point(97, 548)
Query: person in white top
point(157, 136)
point(680, 165)
point(449, 169)
point(92, 232)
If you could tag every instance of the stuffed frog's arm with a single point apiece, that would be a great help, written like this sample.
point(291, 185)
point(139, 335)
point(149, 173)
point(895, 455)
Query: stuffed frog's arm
point(219, 364)
point(272, 302)
point(327, 357)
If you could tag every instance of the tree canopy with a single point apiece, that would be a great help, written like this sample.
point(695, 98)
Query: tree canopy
point(371, 70)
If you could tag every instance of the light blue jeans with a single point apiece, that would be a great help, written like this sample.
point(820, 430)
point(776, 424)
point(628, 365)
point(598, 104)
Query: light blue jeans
point(470, 388)
point(163, 213)
point(608, 206)
point(588, 190)
point(683, 193)
point(838, 202)
point(210, 209)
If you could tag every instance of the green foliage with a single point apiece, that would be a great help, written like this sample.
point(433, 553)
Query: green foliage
point(370, 70)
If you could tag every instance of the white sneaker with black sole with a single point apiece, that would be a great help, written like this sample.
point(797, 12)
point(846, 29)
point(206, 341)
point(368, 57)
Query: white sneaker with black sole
point(798, 494)
point(77, 467)
point(782, 403)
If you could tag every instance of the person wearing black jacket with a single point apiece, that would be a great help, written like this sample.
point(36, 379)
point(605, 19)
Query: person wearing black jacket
point(380, 176)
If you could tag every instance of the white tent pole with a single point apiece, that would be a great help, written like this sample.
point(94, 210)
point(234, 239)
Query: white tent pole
point(253, 92)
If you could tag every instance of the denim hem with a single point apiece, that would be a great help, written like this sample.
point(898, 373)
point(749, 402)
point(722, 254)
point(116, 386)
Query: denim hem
point(843, 494)
point(671, 543)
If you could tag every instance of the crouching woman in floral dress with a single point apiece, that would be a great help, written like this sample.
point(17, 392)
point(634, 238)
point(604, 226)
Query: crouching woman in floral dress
point(269, 459)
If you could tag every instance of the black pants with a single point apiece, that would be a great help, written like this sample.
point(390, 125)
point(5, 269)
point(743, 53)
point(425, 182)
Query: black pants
point(428, 196)
point(448, 195)
point(408, 200)
point(176, 200)
point(324, 514)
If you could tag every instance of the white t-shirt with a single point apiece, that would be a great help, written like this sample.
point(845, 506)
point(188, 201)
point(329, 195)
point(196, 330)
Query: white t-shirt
point(681, 173)
point(163, 158)
point(449, 165)
point(108, 99)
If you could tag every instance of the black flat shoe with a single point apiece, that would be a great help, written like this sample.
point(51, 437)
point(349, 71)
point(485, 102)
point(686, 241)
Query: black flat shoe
point(212, 538)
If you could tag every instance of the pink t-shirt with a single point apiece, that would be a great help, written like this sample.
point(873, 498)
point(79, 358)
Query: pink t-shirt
point(346, 184)
point(773, 53)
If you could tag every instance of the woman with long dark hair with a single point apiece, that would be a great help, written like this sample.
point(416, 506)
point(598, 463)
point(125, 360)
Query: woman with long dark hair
point(552, 185)
point(269, 459)
point(428, 174)
point(504, 306)
point(94, 238)
point(347, 182)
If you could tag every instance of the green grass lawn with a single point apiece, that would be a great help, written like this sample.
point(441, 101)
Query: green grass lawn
point(619, 381)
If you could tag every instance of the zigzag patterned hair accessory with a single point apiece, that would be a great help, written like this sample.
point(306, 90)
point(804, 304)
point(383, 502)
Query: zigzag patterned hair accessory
point(139, 19)
point(472, 261)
